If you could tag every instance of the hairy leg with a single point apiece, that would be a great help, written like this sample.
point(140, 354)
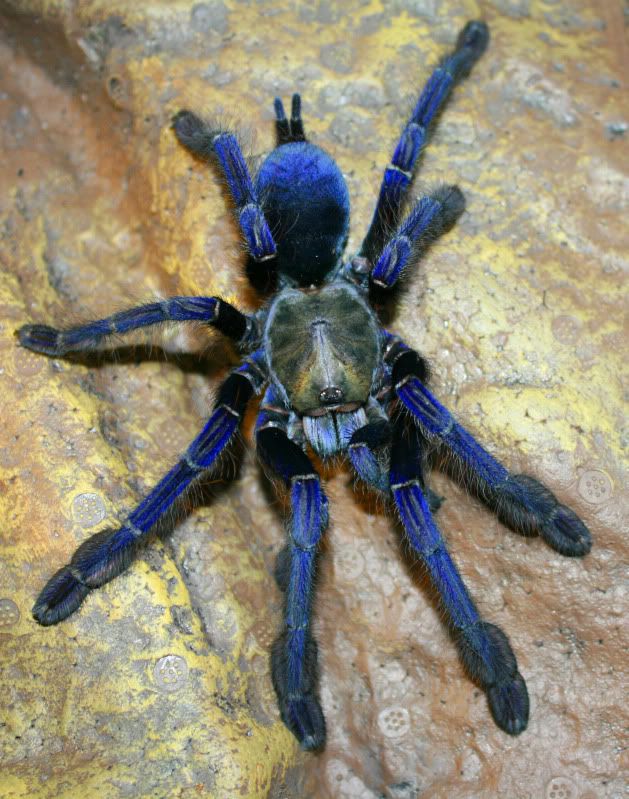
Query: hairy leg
point(484, 648)
point(521, 502)
point(222, 146)
point(209, 310)
point(294, 665)
point(109, 552)
point(364, 448)
point(372, 466)
point(429, 218)
point(470, 45)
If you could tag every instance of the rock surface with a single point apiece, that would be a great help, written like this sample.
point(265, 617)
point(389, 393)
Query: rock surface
point(160, 686)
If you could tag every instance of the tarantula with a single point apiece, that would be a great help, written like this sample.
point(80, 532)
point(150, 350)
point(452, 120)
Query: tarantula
point(335, 382)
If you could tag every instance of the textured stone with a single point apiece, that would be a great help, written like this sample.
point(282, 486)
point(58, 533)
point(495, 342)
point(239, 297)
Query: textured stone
point(160, 685)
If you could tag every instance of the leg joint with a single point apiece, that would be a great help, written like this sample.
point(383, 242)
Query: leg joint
point(191, 463)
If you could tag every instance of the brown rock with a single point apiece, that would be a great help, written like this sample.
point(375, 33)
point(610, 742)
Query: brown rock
point(159, 686)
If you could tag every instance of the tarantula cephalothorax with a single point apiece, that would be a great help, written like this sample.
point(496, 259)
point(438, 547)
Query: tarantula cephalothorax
point(334, 381)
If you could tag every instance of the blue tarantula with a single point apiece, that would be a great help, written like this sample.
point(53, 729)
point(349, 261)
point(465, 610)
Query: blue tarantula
point(334, 381)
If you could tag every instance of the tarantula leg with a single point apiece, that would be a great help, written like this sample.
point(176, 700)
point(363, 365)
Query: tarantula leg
point(207, 143)
point(429, 217)
point(363, 456)
point(521, 502)
point(372, 469)
point(210, 310)
point(109, 552)
point(294, 665)
point(483, 647)
point(470, 45)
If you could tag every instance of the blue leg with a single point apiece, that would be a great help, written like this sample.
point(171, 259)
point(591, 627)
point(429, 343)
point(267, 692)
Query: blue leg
point(398, 175)
point(294, 657)
point(363, 450)
point(483, 647)
point(429, 217)
point(519, 501)
point(209, 310)
point(370, 452)
point(109, 552)
point(203, 141)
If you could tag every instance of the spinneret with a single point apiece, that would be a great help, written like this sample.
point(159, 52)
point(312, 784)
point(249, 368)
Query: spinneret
point(334, 382)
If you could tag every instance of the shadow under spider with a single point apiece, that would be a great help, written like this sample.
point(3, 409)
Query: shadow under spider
point(190, 363)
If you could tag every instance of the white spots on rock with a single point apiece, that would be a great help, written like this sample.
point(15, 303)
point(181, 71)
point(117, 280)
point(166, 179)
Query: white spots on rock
point(561, 788)
point(595, 486)
point(9, 612)
point(88, 509)
point(348, 561)
point(170, 673)
point(565, 328)
point(394, 721)
point(27, 363)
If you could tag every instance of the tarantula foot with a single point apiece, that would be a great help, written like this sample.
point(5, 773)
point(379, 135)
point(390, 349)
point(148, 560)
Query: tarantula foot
point(528, 506)
point(475, 36)
point(186, 123)
point(40, 338)
point(61, 596)
point(193, 133)
point(566, 533)
point(452, 203)
point(299, 706)
point(509, 704)
point(304, 718)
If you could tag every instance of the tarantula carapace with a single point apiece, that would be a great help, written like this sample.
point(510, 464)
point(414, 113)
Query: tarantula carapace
point(334, 381)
